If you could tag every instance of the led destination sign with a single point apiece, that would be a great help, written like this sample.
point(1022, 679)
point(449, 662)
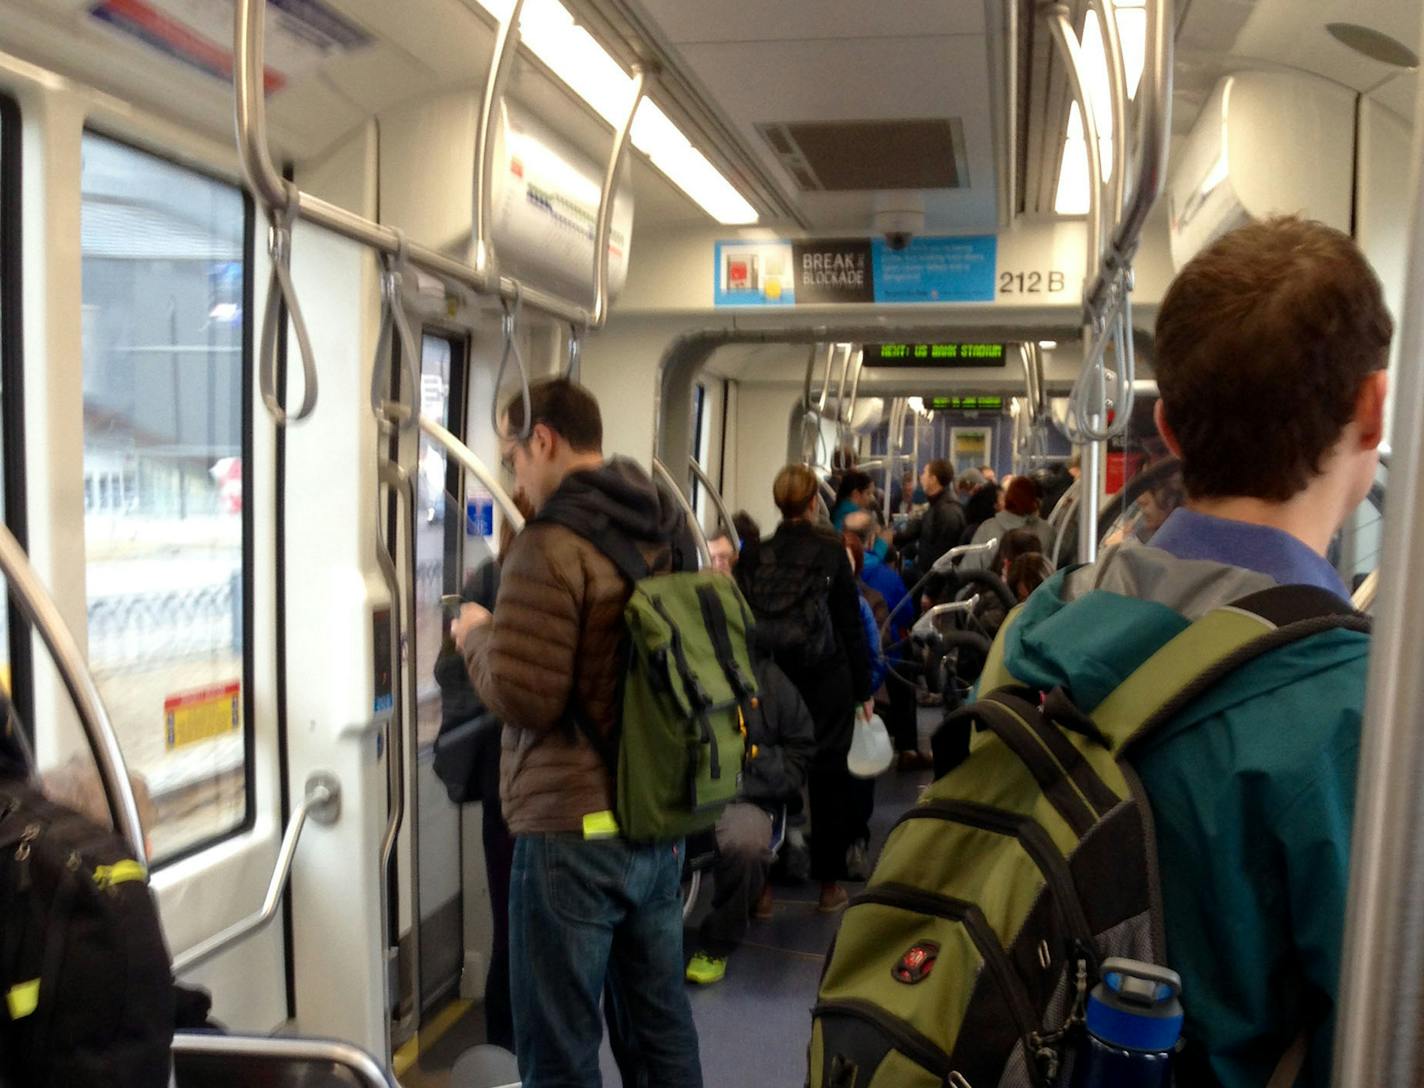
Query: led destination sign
point(965, 404)
point(941, 355)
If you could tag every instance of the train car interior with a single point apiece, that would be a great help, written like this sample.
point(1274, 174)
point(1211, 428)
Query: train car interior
point(271, 270)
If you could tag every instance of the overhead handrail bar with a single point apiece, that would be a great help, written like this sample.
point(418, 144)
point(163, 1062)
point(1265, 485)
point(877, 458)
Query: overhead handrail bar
point(472, 464)
point(506, 48)
point(849, 350)
point(280, 293)
point(35, 604)
point(1108, 286)
point(322, 803)
point(1117, 81)
point(395, 330)
point(1377, 1039)
point(855, 386)
point(722, 511)
point(925, 625)
point(267, 186)
point(509, 325)
point(364, 1070)
point(1060, 26)
point(892, 446)
point(603, 235)
point(704, 550)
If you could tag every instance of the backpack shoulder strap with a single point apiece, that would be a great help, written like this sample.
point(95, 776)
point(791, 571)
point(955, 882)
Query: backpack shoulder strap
point(1212, 648)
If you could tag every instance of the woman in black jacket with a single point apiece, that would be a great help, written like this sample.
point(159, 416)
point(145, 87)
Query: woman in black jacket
point(803, 592)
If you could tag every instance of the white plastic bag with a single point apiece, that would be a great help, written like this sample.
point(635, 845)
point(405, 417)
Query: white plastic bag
point(871, 752)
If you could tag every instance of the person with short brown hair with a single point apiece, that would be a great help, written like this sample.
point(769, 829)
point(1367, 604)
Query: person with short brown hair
point(938, 529)
point(1271, 354)
point(547, 662)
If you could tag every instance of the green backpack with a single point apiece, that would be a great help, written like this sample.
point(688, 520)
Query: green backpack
point(676, 755)
point(967, 960)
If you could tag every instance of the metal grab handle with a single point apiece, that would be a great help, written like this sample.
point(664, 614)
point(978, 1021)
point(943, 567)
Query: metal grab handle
point(1060, 27)
point(265, 182)
point(397, 479)
point(506, 48)
point(323, 804)
point(706, 482)
point(603, 235)
point(575, 370)
point(1117, 76)
point(36, 605)
point(946, 561)
point(510, 326)
point(281, 292)
point(704, 550)
point(472, 464)
point(925, 625)
point(395, 326)
point(363, 1069)
point(1363, 598)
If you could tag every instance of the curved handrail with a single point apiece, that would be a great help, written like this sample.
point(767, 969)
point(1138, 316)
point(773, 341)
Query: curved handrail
point(506, 48)
point(364, 1069)
point(722, 511)
point(35, 604)
point(322, 803)
point(472, 464)
point(704, 551)
point(603, 234)
point(1363, 598)
point(395, 329)
point(263, 178)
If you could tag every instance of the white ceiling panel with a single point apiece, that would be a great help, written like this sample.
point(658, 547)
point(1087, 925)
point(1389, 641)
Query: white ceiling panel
point(884, 78)
point(792, 20)
point(1400, 94)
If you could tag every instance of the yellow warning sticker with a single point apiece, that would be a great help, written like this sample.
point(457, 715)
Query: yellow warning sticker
point(193, 716)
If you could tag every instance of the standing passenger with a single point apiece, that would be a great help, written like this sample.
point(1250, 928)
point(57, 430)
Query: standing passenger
point(938, 529)
point(1252, 785)
point(1020, 512)
point(800, 586)
point(585, 905)
point(856, 492)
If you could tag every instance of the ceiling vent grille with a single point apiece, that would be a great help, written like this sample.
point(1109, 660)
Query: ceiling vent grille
point(909, 154)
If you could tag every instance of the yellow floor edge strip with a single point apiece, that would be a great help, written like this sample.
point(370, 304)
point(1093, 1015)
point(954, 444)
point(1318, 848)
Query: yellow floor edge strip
point(428, 1036)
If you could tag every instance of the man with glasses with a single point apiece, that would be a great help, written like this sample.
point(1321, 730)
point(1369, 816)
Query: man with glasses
point(587, 908)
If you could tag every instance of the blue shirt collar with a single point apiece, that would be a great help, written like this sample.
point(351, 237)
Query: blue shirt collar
point(1188, 534)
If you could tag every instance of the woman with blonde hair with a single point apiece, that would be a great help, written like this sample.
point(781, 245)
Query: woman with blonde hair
point(803, 592)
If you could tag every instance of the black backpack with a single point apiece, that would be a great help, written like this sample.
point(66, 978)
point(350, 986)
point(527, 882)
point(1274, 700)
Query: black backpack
point(87, 980)
point(790, 599)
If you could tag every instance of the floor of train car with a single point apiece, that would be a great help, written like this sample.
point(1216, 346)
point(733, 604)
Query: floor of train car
point(754, 1025)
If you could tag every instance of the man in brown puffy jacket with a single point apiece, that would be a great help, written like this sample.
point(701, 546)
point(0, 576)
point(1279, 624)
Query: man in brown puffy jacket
point(586, 907)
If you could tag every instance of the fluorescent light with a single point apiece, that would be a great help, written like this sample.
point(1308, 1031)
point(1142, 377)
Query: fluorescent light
point(1048, 345)
point(572, 54)
point(1072, 197)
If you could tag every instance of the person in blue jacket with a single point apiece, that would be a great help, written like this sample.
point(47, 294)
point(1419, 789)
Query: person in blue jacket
point(1271, 349)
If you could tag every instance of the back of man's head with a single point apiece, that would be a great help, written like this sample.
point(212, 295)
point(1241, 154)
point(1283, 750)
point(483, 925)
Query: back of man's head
point(941, 471)
point(1263, 342)
point(969, 481)
point(565, 407)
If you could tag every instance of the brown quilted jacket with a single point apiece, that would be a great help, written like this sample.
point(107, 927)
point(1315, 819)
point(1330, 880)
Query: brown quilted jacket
point(557, 633)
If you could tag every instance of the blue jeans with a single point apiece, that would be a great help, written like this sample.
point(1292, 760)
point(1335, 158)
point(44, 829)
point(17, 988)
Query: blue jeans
point(582, 914)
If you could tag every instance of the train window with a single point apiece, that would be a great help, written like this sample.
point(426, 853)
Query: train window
point(164, 272)
point(442, 519)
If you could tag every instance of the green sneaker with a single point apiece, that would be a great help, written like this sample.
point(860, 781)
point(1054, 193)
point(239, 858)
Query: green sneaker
point(705, 970)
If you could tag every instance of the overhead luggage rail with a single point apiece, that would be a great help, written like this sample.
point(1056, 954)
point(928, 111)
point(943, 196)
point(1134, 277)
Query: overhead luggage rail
point(285, 204)
point(29, 595)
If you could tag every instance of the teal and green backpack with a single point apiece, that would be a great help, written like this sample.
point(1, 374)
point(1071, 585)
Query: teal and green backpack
point(967, 960)
point(676, 755)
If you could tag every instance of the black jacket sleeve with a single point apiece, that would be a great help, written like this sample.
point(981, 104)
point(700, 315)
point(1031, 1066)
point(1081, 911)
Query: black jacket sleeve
point(845, 618)
point(785, 739)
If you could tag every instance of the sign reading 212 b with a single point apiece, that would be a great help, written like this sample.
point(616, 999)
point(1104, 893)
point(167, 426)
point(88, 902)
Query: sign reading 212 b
point(842, 271)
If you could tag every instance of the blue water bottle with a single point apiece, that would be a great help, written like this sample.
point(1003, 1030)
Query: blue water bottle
point(1134, 1020)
